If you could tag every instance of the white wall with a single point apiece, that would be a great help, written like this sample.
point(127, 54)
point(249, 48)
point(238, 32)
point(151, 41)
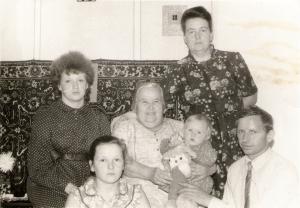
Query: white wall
point(44, 29)
point(266, 32)
point(124, 29)
point(16, 29)
point(101, 29)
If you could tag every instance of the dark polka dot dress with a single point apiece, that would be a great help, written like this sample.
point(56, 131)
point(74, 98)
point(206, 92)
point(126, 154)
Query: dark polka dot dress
point(59, 130)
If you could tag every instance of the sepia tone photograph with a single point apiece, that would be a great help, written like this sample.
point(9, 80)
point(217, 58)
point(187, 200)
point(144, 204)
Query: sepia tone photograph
point(149, 103)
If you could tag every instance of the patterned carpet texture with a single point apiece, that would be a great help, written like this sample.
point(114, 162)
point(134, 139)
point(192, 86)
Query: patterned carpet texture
point(26, 85)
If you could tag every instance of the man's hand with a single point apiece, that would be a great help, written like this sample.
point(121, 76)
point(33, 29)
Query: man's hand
point(195, 194)
point(161, 177)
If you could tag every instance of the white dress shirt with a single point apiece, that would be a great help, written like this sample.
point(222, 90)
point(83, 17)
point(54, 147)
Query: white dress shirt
point(274, 183)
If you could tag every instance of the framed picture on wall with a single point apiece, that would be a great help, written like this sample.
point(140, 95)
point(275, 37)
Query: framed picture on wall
point(171, 15)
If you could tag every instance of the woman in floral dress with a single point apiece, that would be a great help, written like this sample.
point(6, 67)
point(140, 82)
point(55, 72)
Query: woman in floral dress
point(214, 82)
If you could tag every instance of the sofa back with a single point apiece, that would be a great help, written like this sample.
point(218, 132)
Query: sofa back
point(25, 86)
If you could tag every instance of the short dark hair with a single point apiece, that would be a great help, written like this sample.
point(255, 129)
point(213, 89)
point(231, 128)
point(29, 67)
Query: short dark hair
point(195, 12)
point(73, 62)
point(254, 110)
point(107, 139)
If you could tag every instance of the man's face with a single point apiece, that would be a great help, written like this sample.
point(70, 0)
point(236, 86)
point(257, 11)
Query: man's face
point(149, 107)
point(252, 136)
point(197, 35)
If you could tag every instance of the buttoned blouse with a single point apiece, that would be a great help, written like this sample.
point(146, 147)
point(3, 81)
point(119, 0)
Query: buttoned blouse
point(129, 196)
point(144, 146)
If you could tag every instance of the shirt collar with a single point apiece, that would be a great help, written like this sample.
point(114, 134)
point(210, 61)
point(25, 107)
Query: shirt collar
point(162, 127)
point(90, 187)
point(92, 199)
point(67, 108)
point(261, 160)
point(190, 57)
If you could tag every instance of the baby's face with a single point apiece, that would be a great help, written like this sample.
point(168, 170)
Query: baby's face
point(195, 132)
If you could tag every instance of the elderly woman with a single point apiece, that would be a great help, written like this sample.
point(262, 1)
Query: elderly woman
point(62, 134)
point(216, 83)
point(143, 130)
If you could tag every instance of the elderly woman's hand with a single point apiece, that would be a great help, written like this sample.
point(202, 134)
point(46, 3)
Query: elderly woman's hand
point(70, 188)
point(161, 177)
point(195, 194)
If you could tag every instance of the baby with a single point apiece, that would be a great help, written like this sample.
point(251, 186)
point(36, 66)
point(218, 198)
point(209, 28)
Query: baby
point(179, 153)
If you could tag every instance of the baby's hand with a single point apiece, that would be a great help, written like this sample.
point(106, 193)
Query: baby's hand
point(193, 154)
point(189, 151)
point(166, 164)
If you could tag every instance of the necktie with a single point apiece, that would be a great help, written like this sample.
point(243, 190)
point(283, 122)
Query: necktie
point(247, 186)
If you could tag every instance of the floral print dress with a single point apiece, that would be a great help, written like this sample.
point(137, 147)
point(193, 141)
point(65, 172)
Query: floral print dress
point(215, 87)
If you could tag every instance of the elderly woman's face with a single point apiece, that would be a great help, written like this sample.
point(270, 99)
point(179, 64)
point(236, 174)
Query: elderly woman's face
point(197, 35)
point(149, 107)
point(73, 87)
